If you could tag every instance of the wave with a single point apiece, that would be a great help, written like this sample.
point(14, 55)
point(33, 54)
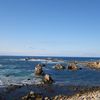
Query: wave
point(0, 65)
point(6, 81)
point(32, 81)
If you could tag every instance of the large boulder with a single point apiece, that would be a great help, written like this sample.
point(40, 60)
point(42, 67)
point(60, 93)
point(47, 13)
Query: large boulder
point(38, 70)
point(59, 67)
point(72, 66)
point(47, 79)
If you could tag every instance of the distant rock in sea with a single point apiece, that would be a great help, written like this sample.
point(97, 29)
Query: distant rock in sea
point(59, 67)
point(94, 64)
point(72, 66)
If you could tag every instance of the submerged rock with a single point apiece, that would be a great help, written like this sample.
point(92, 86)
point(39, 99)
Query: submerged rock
point(47, 79)
point(28, 58)
point(72, 67)
point(59, 66)
point(38, 70)
point(43, 65)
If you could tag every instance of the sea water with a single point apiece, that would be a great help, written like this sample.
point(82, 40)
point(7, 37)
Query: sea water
point(17, 70)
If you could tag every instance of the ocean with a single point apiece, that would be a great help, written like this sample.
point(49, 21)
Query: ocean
point(18, 70)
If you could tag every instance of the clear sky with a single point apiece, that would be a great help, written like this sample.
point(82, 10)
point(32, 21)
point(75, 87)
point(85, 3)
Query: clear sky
point(50, 27)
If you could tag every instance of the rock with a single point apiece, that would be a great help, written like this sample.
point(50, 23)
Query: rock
point(28, 79)
point(80, 68)
point(72, 67)
point(56, 97)
point(46, 98)
point(43, 65)
point(59, 66)
point(47, 79)
point(32, 96)
point(38, 70)
point(93, 64)
point(26, 59)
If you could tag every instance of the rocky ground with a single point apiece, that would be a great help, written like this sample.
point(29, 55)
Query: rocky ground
point(92, 95)
point(89, 94)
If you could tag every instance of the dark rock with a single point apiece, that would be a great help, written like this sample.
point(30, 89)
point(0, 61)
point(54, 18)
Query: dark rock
point(27, 59)
point(43, 65)
point(28, 79)
point(80, 68)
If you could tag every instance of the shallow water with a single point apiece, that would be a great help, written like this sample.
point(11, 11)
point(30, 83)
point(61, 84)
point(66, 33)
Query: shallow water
point(16, 70)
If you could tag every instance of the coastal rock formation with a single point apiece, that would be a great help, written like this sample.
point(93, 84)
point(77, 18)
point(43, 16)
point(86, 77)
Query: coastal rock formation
point(72, 67)
point(47, 79)
point(93, 64)
point(38, 70)
point(59, 66)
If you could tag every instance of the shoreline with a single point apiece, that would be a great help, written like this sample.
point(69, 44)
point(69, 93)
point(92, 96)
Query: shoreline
point(51, 91)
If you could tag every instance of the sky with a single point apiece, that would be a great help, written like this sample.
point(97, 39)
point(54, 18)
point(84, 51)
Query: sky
point(50, 27)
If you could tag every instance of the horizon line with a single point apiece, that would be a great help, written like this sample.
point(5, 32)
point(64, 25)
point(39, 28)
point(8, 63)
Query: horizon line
point(53, 56)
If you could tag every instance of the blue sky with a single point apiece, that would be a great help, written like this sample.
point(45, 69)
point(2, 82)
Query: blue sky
point(50, 27)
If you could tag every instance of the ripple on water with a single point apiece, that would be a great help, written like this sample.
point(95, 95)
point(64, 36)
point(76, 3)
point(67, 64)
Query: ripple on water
point(0, 65)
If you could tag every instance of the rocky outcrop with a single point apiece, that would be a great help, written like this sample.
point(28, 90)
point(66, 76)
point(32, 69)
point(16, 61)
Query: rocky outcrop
point(93, 64)
point(59, 67)
point(72, 66)
point(38, 70)
point(47, 79)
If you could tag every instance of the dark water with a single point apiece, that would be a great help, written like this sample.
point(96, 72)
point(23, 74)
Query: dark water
point(17, 70)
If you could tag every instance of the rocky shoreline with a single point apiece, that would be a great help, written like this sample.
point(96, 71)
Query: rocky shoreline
point(50, 92)
point(47, 90)
point(84, 94)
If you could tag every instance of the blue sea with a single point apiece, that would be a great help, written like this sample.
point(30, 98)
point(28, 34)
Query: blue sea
point(18, 70)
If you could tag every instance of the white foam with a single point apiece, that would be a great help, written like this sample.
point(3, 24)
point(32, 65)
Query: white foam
point(32, 81)
point(21, 59)
point(1, 83)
